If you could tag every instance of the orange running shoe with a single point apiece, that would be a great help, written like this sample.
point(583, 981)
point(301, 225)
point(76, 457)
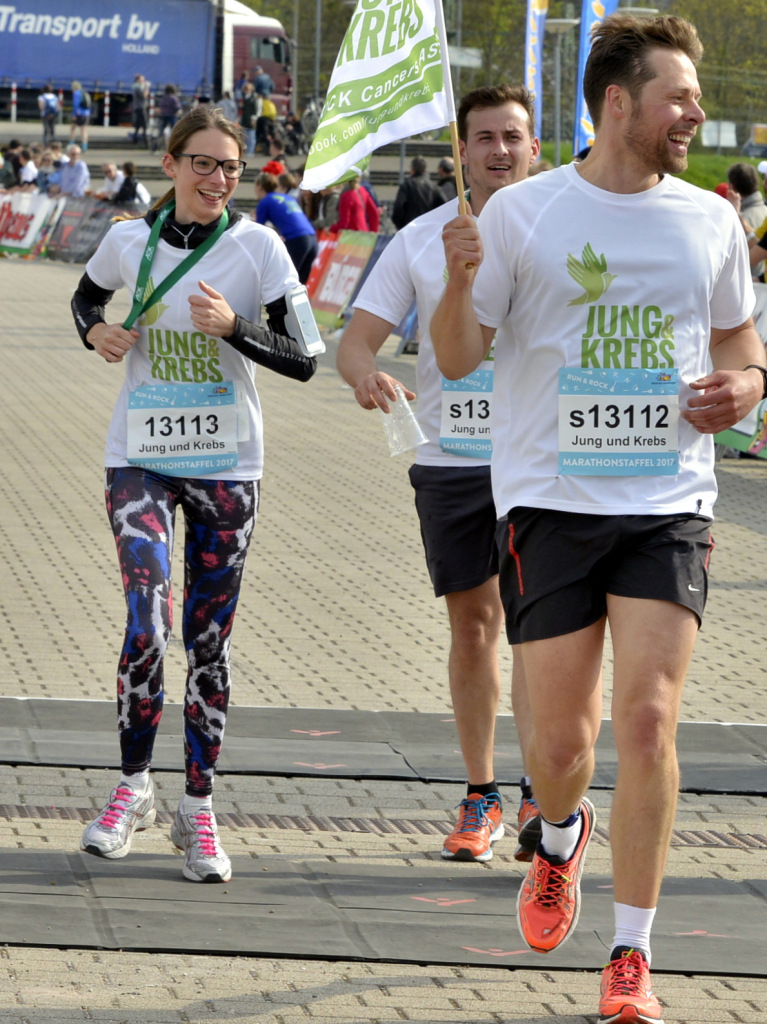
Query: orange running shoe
point(627, 996)
point(479, 824)
point(549, 899)
point(529, 821)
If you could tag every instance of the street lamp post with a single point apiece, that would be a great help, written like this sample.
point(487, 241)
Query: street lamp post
point(559, 27)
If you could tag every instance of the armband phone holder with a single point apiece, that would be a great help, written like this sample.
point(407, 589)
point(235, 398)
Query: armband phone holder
point(300, 323)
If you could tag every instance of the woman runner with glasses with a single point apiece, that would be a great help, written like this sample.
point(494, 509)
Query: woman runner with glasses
point(186, 432)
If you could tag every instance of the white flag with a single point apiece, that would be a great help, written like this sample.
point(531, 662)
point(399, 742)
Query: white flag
point(389, 82)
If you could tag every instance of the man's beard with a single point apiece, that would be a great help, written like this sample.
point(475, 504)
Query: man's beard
point(655, 155)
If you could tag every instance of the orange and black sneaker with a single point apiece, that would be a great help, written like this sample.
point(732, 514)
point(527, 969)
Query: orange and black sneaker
point(480, 823)
point(550, 897)
point(529, 835)
point(627, 996)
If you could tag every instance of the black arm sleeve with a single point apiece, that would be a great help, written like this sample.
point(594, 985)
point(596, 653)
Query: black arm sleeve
point(87, 305)
point(272, 347)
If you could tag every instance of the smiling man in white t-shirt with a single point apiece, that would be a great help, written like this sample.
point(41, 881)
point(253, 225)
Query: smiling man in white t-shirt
point(451, 475)
point(611, 305)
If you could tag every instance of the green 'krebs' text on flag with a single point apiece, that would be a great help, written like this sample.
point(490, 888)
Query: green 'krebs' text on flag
point(388, 83)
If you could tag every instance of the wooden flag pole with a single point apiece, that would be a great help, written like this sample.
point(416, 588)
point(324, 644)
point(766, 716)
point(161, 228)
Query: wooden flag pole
point(463, 206)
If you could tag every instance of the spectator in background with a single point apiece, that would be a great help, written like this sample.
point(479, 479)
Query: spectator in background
point(761, 169)
point(238, 93)
point(324, 206)
point(287, 185)
point(416, 195)
point(744, 194)
point(249, 115)
point(356, 210)
point(59, 156)
point(285, 214)
point(81, 114)
point(112, 182)
point(27, 172)
point(48, 102)
point(140, 105)
point(294, 133)
point(131, 190)
point(277, 148)
point(170, 108)
point(446, 175)
point(228, 107)
point(368, 186)
point(47, 174)
point(265, 123)
point(744, 180)
point(9, 177)
point(262, 83)
point(75, 176)
point(274, 167)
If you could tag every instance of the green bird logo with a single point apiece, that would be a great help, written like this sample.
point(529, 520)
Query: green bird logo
point(153, 314)
point(590, 272)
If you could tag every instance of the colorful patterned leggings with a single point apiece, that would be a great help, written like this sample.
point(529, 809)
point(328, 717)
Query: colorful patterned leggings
point(219, 517)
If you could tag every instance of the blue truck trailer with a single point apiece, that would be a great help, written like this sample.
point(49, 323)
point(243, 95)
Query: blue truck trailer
point(200, 46)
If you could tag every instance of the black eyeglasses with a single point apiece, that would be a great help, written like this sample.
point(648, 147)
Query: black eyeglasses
point(207, 165)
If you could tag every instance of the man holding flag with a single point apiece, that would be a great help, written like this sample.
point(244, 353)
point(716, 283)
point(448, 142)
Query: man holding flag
point(451, 476)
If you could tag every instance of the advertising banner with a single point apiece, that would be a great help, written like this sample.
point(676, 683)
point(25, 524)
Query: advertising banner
point(327, 245)
point(22, 217)
point(80, 227)
point(351, 255)
point(380, 244)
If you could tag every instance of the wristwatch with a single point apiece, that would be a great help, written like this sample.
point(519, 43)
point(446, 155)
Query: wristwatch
point(763, 371)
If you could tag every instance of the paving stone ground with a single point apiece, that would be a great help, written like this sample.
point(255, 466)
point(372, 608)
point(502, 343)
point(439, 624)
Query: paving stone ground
point(336, 612)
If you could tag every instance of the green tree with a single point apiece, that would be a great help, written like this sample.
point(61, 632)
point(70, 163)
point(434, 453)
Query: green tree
point(732, 74)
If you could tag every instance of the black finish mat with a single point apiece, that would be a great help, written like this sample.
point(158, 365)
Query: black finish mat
point(440, 914)
point(714, 758)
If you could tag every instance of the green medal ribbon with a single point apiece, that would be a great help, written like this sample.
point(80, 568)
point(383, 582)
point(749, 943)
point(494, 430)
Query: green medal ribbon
point(140, 304)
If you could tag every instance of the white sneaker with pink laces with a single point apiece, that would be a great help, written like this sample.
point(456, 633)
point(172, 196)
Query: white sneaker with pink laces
point(196, 834)
point(127, 811)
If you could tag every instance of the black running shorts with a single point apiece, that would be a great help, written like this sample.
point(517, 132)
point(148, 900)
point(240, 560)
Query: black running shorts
point(458, 524)
point(557, 568)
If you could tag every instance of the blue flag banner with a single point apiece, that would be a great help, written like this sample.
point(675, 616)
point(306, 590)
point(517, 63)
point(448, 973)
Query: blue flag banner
point(593, 12)
point(534, 33)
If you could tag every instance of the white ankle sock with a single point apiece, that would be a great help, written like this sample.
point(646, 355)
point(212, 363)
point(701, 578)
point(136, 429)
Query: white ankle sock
point(139, 782)
point(632, 927)
point(192, 804)
point(560, 840)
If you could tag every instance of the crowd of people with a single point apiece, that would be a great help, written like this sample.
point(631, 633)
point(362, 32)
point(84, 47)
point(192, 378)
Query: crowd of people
point(53, 172)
